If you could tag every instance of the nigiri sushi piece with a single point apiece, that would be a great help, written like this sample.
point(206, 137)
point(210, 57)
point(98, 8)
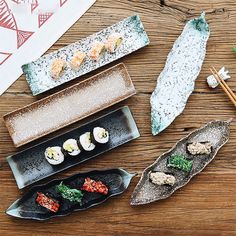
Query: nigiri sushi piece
point(47, 202)
point(77, 60)
point(71, 147)
point(93, 186)
point(54, 155)
point(96, 50)
point(100, 135)
point(57, 68)
point(160, 178)
point(86, 141)
point(113, 42)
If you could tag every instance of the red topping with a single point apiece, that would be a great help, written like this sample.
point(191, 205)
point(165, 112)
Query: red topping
point(47, 202)
point(92, 186)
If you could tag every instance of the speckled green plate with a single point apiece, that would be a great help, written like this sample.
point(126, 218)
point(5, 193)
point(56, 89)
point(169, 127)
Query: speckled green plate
point(38, 72)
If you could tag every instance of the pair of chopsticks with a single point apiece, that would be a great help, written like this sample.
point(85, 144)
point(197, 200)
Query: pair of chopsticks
point(223, 85)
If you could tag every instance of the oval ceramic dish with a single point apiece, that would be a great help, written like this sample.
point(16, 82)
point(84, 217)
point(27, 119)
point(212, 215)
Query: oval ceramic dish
point(216, 132)
point(117, 181)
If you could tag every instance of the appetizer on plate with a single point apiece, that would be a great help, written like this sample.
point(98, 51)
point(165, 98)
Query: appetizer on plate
point(114, 41)
point(71, 147)
point(175, 168)
point(77, 60)
point(57, 68)
point(75, 193)
point(54, 155)
point(96, 50)
point(93, 186)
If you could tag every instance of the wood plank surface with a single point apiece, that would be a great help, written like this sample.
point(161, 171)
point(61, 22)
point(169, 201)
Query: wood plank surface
point(207, 205)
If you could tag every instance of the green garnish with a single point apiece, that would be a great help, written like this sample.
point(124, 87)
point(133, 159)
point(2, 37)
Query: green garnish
point(180, 162)
point(234, 49)
point(73, 195)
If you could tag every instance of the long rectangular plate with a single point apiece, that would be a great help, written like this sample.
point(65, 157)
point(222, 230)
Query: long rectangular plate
point(30, 165)
point(38, 72)
point(69, 105)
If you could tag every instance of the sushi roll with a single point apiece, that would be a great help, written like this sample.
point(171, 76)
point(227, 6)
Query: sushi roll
point(96, 50)
point(71, 147)
point(86, 141)
point(54, 155)
point(57, 68)
point(113, 42)
point(100, 135)
point(77, 60)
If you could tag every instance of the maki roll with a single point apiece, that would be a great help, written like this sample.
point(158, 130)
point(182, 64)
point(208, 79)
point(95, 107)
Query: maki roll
point(96, 50)
point(71, 147)
point(160, 178)
point(77, 60)
point(100, 135)
point(86, 141)
point(113, 42)
point(54, 155)
point(57, 68)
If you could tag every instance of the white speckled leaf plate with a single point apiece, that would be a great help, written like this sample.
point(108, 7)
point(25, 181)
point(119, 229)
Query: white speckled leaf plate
point(38, 72)
point(176, 82)
point(216, 132)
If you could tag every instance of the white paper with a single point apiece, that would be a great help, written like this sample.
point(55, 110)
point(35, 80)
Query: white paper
point(29, 28)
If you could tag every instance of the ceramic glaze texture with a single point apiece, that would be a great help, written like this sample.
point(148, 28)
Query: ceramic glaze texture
point(69, 105)
point(38, 72)
point(117, 181)
point(30, 165)
point(176, 81)
point(216, 132)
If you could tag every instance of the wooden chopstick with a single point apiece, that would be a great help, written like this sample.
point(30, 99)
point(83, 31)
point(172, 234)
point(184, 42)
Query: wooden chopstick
point(224, 86)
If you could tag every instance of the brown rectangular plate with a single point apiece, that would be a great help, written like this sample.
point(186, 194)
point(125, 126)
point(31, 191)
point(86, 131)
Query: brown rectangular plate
point(69, 105)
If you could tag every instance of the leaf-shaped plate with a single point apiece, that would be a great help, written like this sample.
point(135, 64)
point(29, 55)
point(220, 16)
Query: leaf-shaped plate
point(216, 132)
point(117, 181)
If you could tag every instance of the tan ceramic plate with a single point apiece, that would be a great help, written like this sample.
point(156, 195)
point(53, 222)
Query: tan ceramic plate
point(69, 105)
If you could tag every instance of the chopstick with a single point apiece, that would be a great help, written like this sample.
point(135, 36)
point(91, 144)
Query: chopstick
point(224, 86)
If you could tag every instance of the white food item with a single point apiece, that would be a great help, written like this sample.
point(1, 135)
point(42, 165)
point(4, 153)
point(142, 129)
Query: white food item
point(85, 141)
point(71, 147)
point(176, 81)
point(212, 82)
point(197, 148)
point(100, 135)
point(54, 155)
point(161, 178)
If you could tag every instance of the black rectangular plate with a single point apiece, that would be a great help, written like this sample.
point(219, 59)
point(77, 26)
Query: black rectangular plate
point(30, 165)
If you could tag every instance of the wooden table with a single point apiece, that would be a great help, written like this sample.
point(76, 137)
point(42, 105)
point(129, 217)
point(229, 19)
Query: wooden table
point(207, 205)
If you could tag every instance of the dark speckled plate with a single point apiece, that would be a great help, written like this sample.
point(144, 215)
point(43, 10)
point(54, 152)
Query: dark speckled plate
point(117, 181)
point(216, 132)
point(30, 165)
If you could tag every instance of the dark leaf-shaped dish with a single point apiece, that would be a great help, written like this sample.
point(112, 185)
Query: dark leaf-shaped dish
point(117, 181)
point(215, 132)
point(31, 165)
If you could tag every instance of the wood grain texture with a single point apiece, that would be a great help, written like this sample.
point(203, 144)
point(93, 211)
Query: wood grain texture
point(207, 205)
